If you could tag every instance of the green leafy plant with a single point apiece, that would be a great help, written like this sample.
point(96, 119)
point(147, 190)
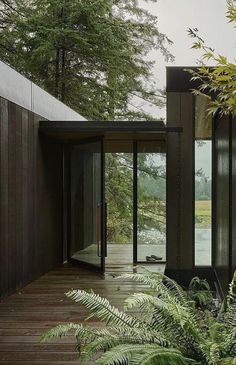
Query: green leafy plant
point(219, 80)
point(168, 328)
point(199, 290)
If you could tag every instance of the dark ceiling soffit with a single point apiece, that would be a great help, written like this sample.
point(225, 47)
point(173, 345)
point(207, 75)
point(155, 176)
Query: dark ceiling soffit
point(103, 127)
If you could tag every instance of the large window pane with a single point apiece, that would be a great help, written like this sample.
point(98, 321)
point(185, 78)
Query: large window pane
point(203, 183)
point(85, 243)
point(119, 197)
point(151, 201)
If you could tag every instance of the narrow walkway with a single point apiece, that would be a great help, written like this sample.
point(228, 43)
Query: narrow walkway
point(26, 315)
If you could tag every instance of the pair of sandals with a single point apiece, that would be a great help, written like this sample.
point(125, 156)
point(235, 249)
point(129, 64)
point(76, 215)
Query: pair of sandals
point(153, 258)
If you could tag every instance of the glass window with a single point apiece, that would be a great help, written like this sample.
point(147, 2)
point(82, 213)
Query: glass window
point(203, 183)
point(119, 199)
point(151, 176)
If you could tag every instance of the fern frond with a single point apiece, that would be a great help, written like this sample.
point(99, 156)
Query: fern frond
point(120, 336)
point(102, 309)
point(170, 310)
point(228, 361)
point(229, 316)
point(211, 352)
point(231, 297)
point(160, 283)
point(172, 307)
point(199, 284)
point(142, 335)
point(99, 344)
point(229, 343)
point(200, 292)
point(131, 354)
point(153, 283)
point(60, 331)
point(161, 357)
point(176, 290)
point(82, 333)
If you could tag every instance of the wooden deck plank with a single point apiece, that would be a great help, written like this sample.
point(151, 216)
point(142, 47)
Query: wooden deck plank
point(26, 315)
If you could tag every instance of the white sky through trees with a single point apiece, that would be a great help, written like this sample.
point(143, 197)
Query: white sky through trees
point(175, 17)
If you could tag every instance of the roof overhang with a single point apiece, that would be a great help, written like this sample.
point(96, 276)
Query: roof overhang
point(135, 130)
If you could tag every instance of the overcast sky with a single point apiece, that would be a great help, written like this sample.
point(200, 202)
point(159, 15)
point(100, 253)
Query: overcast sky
point(176, 16)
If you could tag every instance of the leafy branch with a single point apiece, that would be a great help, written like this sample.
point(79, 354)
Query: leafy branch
point(220, 79)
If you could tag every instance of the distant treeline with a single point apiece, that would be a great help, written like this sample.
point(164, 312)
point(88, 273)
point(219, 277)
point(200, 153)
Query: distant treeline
point(203, 189)
point(157, 188)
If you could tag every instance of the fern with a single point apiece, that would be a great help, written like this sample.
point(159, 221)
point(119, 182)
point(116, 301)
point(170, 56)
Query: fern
point(158, 281)
point(231, 297)
point(170, 327)
point(160, 357)
point(200, 292)
point(142, 354)
point(85, 334)
point(172, 309)
point(118, 336)
point(102, 309)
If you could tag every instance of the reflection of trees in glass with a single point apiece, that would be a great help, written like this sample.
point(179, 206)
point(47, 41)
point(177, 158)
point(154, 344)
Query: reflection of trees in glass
point(119, 195)
point(203, 185)
point(151, 197)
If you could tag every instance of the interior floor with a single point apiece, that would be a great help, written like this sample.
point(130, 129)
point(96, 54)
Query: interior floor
point(122, 254)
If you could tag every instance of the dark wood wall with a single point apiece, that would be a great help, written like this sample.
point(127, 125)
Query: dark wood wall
point(224, 208)
point(233, 192)
point(221, 200)
point(30, 199)
point(180, 187)
point(180, 183)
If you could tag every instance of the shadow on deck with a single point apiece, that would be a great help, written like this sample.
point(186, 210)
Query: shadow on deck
point(26, 315)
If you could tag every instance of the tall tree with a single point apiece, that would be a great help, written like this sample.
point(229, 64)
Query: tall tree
point(91, 54)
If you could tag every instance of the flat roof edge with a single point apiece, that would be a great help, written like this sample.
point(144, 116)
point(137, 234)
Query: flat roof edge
point(23, 92)
point(103, 127)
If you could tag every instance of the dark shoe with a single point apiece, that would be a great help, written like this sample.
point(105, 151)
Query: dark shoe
point(150, 259)
point(157, 258)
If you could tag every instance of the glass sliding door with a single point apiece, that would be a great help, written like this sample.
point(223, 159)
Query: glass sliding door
point(87, 209)
point(151, 201)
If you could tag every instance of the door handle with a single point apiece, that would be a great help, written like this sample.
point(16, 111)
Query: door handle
point(100, 211)
point(105, 228)
point(98, 229)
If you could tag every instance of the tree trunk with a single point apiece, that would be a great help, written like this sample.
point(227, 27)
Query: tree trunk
point(57, 73)
point(63, 85)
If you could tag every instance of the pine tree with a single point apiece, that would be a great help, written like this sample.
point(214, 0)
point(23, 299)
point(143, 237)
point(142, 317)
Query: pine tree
point(90, 54)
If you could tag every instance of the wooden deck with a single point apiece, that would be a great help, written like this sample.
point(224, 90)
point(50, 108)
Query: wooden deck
point(26, 315)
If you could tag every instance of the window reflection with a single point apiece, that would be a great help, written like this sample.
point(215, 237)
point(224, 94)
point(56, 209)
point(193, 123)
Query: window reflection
point(203, 183)
point(151, 202)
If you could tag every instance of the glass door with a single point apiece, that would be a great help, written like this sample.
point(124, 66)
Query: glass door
point(151, 201)
point(87, 208)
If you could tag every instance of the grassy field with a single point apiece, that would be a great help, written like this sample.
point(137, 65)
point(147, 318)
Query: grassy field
point(203, 213)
